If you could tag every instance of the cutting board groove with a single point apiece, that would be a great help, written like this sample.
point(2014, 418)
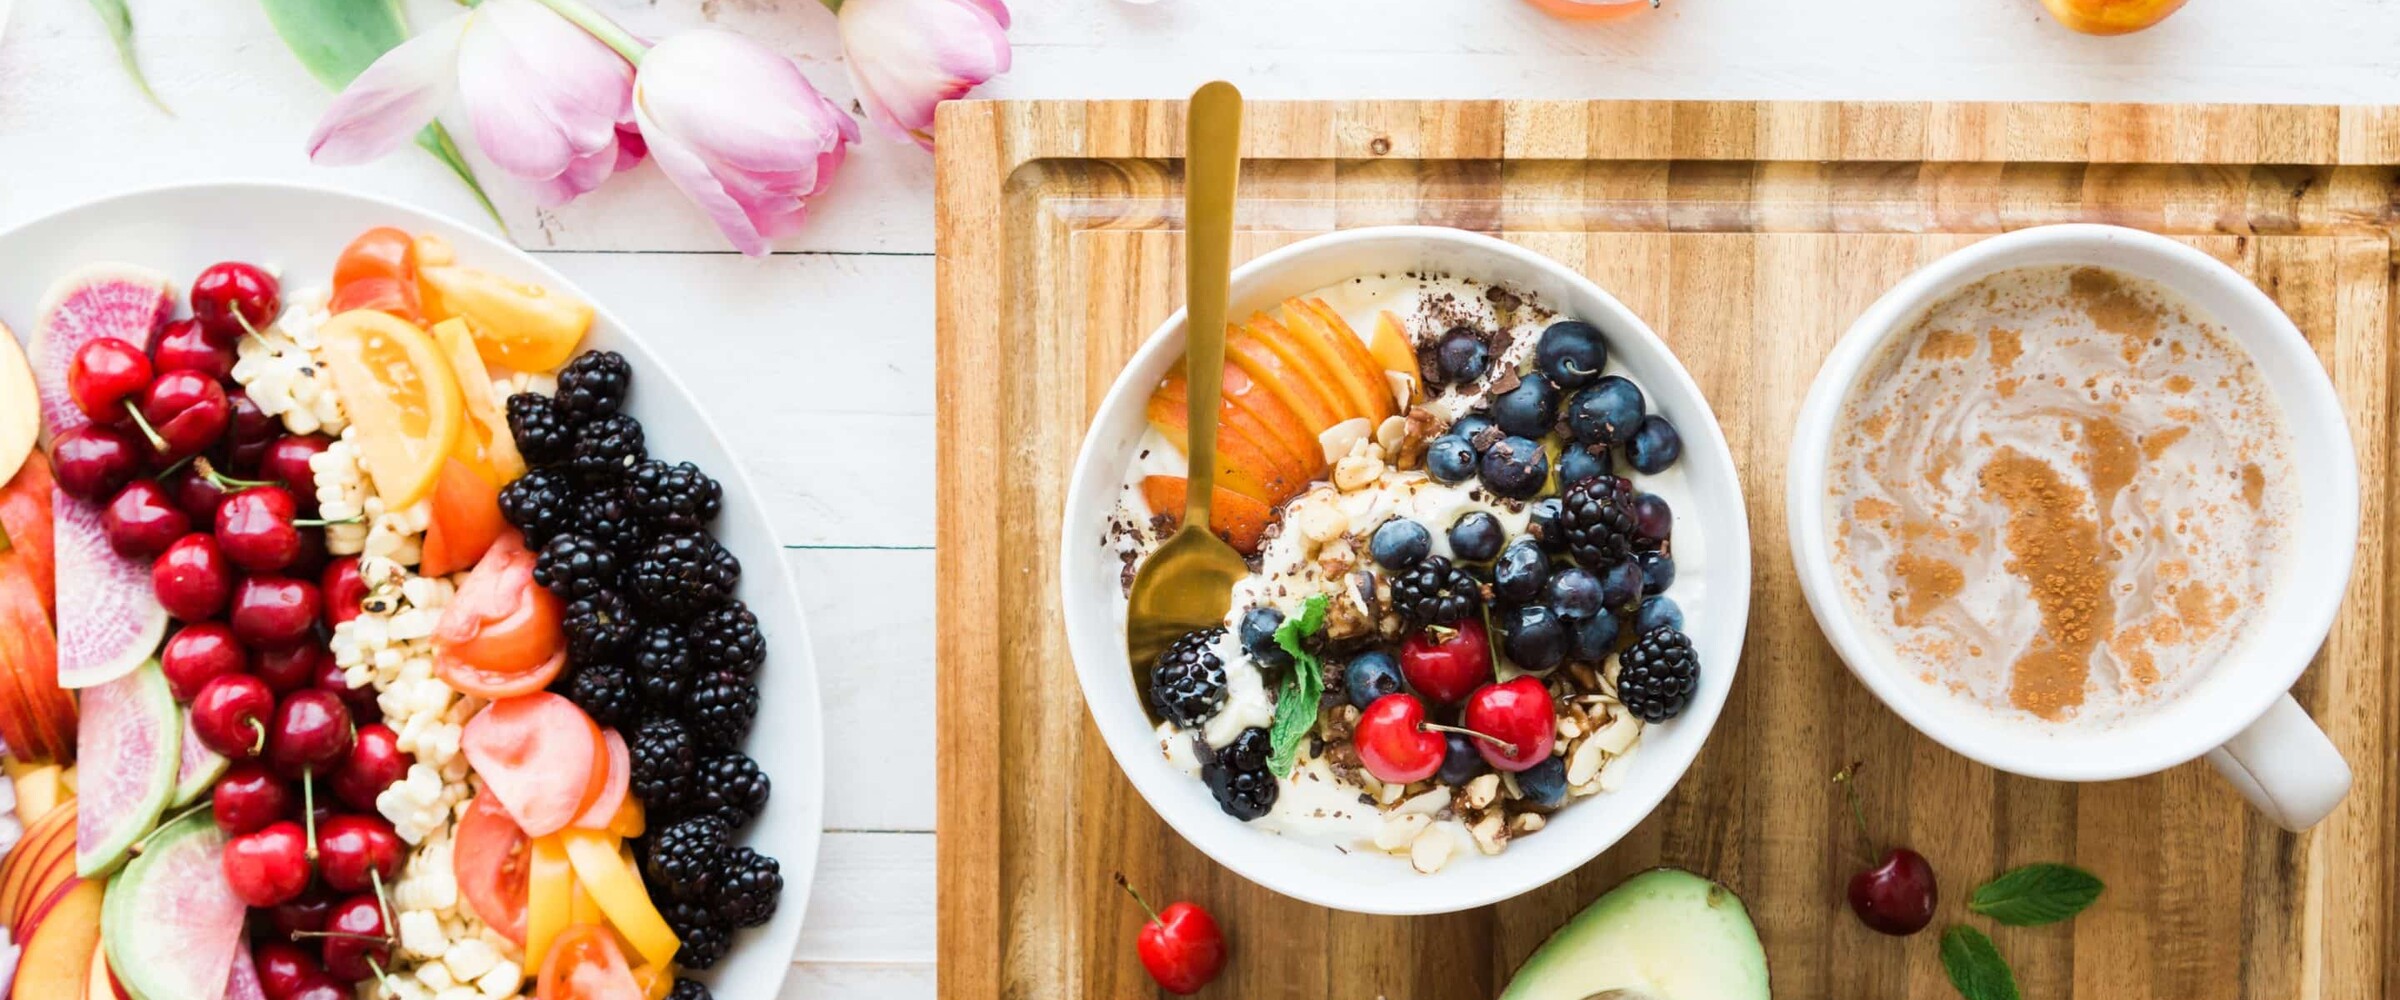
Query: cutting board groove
point(1749, 235)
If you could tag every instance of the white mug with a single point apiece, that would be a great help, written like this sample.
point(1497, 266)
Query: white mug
point(2238, 712)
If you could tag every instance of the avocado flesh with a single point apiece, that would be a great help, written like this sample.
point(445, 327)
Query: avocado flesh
point(1665, 934)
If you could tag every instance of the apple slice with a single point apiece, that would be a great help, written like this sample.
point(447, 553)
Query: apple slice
point(1350, 352)
point(57, 961)
point(40, 862)
point(1241, 521)
point(20, 406)
point(1297, 387)
point(29, 531)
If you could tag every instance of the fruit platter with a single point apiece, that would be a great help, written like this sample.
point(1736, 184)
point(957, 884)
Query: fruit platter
point(381, 621)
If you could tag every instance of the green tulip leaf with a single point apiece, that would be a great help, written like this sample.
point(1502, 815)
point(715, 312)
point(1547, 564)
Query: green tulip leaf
point(119, 20)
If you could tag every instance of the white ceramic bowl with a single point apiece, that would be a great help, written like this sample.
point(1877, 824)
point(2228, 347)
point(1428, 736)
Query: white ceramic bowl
point(1094, 597)
point(179, 230)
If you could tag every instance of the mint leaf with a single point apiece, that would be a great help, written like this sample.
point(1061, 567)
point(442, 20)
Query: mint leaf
point(1296, 704)
point(1975, 965)
point(2036, 894)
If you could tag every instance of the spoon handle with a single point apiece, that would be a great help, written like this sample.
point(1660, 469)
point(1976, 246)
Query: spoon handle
point(1212, 163)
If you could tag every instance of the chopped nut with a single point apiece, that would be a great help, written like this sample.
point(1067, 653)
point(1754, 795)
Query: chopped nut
point(1508, 783)
point(1337, 558)
point(1491, 833)
point(1584, 762)
point(1390, 433)
point(1389, 794)
point(1619, 735)
point(1357, 472)
point(1481, 791)
point(1584, 677)
point(1400, 830)
point(1612, 774)
point(1337, 440)
point(1431, 850)
point(1524, 823)
point(1318, 517)
point(1568, 728)
point(1429, 803)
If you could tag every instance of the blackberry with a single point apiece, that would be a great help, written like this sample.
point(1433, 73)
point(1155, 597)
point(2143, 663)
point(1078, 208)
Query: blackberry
point(748, 884)
point(690, 989)
point(702, 931)
point(543, 434)
point(1656, 675)
point(683, 575)
point(662, 762)
point(1237, 775)
point(728, 639)
point(603, 691)
point(1187, 684)
point(1596, 518)
point(684, 858)
point(676, 497)
point(599, 627)
point(733, 788)
point(720, 710)
point(1433, 592)
point(606, 449)
point(540, 504)
point(662, 667)
point(607, 517)
point(575, 566)
point(593, 385)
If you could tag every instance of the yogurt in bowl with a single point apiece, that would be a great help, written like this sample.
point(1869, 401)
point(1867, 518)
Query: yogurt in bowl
point(1415, 545)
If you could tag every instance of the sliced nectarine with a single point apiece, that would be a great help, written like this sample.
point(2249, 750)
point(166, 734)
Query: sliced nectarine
point(1361, 394)
point(1392, 348)
point(1317, 405)
point(1270, 419)
point(40, 862)
point(1296, 348)
point(1243, 465)
point(1241, 521)
point(57, 961)
point(1359, 362)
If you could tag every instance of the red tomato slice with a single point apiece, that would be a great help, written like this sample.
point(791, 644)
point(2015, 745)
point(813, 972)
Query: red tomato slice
point(490, 858)
point(489, 685)
point(586, 964)
point(378, 270)
point(501, 635)
point(535, 753)
point(608, 785)
point(466, 521)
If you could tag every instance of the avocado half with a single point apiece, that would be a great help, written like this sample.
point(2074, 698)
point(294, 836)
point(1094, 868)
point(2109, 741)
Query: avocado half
point(1665, 934)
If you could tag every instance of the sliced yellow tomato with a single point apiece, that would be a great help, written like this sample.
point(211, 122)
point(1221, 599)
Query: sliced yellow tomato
point(629, 821)
point(655, 982)
point(582, 908)
point(484, 443)
point(515, 325)
point(550, 898)
point(400, 394)
point(614, 883)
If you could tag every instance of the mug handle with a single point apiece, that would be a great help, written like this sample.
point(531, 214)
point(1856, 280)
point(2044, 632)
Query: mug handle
point(2286, 766)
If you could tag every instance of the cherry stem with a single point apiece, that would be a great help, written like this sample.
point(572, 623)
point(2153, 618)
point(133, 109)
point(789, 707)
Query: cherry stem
point(308, 801)
point(247, 329)
point(1504, 745)
point(1848, 779)
point(383, 900)
point(259, 745)
point(1137, 897)
point(158, 444)
point(225, 482)
point(383, 939)
point(319, 522)
point(382, 976)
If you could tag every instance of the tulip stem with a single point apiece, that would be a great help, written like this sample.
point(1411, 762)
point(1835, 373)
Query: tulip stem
point(600, 27)
point(834, 6)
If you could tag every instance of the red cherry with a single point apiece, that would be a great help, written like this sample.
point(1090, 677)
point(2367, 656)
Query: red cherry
point(270, 612)
point(255, 529)
point(230, 714)
point(361, 700)
point(197, 654)
point(103, 374)
point(1180, 945)
point(252, 430)
point(349, 952)
point(284, 968)
point(269, 866)
point(353, 850)
point(290, 668)
point(375, 763)
point(249, 798)
point(285, 461)
point(233, 298)
point(343, 589)
point(311, 559)
point(142, 520)
point(187, 411)
point(1446, 662)
point(303, 914)
point(182, 346)
point(93, 463)
point(192, 579)
point(1897, 896)
point(321, 986)
point(1518, 719)
point(1393, 742)
point(312, 732)
point(196, 494)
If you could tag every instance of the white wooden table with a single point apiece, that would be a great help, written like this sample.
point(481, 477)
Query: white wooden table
point(848, 462)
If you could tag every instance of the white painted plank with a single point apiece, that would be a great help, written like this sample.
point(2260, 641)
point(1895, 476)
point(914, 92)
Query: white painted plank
point(870, 613)
point(874, 981)
point(873, 900)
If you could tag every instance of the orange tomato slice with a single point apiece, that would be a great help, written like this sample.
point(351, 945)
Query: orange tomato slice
point(608, 784)
point(516, 325)
point(399, 392)
point(585, 964)
point(493, 862)
point(535, 754)
point(466, 521)
point(378, 270)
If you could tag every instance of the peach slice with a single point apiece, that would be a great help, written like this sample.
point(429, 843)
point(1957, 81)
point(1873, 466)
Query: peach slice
point(1361, 362)
point(1364, 397)
point(1274, 420)
point(1391, 345)
point(1256, 353)
point(1299, 352)
point(1243, 464)
point(1241, 521)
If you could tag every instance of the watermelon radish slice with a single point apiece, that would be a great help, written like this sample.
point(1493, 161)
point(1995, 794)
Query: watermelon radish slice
point(243, 983)
point(109, 621)
point(129, 748)
point(170, 922)
point(198, 769)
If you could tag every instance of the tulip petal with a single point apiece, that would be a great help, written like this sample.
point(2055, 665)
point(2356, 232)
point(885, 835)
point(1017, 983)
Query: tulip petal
point(908, 56)
point(398, 94)
point(739, 129)
point(544, 96)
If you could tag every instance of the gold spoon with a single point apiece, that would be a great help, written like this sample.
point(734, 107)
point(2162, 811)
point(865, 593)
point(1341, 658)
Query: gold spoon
point(1188, 583)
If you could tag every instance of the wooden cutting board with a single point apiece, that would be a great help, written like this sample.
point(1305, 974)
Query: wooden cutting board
point(1749, 235)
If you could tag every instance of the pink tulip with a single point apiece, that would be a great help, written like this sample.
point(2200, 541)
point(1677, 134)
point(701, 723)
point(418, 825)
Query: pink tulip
point(738, 128)
point(907, 56)
point(550, 104)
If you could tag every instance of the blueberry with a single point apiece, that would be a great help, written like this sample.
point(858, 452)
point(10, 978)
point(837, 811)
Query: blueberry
point(1476, 537)
point(1621, 585)
point(1575, 593)
point(1571, 353)
point(1461, 355)
point(1657, 611)
point(1655, 445)
point(1534, 638)
point(1653, 521)
point(1530, 409)
point(1605, 412)
point(1577, 463)
point(1371, 675)
point(1658, 571)
point(1470, 427)
point(1460, 764)
point(1399, 543)
point(1595, 638)
point(1541, 522)
point(1522, 572)
point(1516, 467)
point(1258, 636)
point(1545, 783)
point(1450, 459)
